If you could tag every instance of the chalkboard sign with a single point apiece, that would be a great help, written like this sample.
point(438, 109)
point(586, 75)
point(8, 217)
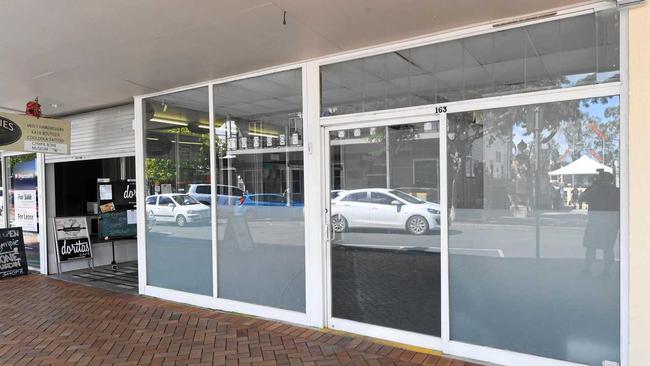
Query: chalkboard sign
point(114, 225)
point(72, 239)
point(13, 261)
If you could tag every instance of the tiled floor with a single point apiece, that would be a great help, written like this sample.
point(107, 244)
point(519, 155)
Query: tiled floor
point(122, 279)
point(45, 321)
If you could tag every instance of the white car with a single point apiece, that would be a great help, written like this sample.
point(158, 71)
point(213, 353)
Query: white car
point(385, 209)
point(177, 207)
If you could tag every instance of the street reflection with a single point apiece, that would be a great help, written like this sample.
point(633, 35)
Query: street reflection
point(385, 221)
point(534, 245)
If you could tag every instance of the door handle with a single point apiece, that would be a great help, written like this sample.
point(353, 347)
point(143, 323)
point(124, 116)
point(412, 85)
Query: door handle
point(328, 229)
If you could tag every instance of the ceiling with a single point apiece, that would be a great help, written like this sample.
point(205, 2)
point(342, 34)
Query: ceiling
point(81, 55)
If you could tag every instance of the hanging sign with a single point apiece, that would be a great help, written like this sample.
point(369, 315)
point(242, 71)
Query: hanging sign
point(13, 260)
point(72, 239)
point(25, 133)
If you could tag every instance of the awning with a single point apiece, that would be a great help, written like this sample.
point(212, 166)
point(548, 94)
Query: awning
point(583, 166)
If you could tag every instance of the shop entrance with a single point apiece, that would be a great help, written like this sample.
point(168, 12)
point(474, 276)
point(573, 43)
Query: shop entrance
point(78, 189)
point(384, 221)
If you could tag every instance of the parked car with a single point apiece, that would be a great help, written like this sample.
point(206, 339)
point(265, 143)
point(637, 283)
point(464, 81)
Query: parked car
point(180, 208)
point(385, 209)
point(226, 195)
point(269, 206)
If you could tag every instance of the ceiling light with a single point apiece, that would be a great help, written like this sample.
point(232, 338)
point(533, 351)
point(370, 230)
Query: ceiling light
point(153, 138)
point(204, 126)
point(168, 121)
point(263, 134)
point(188, 143)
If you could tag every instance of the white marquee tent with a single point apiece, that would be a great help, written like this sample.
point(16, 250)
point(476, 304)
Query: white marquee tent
point(583, 166)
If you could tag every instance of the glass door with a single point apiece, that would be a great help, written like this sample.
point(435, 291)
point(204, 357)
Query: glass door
point(384, 221)
point(22, 203)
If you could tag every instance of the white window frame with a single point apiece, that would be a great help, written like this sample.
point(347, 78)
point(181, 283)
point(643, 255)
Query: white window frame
point(315, 152)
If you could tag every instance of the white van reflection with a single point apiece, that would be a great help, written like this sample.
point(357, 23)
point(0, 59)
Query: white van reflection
point(384, 209)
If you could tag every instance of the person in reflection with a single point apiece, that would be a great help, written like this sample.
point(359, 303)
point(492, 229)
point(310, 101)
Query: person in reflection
point(601, 232)
point(556, 197)
point(575, 194)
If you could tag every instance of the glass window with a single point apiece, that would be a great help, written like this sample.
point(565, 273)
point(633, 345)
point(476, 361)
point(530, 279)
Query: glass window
point(165, 201)
point(581, 50)
point(385, 258)
point(534, 240)
point(151, 200)
point(22, 203)
point(203, 189)
point(185, 200)
point(177, 156)
point(406, 197)
point(356, 197)
point(259, 151)
point(380, 198)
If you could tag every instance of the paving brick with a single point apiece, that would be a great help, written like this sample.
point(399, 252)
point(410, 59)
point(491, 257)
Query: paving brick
point(51, 322)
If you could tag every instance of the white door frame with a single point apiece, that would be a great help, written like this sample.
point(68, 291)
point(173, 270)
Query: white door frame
point(395, 335)
point(428, 113)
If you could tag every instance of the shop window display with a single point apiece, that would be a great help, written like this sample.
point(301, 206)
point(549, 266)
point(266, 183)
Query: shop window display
point(259, 154)
point(534, 246)
point(177, 157)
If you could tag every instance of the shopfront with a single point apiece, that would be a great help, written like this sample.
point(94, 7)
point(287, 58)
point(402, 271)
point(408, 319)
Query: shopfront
point(408, 192)
point(41, 187)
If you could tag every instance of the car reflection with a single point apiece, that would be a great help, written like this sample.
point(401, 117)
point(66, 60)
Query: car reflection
point(385, 209)
point(269, 206)
point(179, 208)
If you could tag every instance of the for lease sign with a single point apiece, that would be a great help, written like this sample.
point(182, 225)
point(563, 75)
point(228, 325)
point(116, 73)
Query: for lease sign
point(26, 133)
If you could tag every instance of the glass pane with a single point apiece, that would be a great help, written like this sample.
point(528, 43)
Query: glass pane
point(177, 162)
point(385, 216)
point(534, 244)
point(261, 224)
point(581, 50)
point(22, 201)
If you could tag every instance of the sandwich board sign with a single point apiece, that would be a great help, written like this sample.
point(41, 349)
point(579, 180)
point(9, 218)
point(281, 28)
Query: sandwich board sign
point(26, 133)
point(72, 240)
point(13, 260)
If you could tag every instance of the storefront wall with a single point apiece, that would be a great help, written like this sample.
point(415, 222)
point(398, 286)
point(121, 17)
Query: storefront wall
point(639, 152)
point(515, 103)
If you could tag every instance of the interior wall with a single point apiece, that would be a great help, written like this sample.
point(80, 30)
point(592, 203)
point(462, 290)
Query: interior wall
point(639, 150)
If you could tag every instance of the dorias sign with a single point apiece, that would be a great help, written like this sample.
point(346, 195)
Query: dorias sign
point(25, 133)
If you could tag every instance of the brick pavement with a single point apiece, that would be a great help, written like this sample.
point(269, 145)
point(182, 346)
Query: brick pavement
point(45, 321)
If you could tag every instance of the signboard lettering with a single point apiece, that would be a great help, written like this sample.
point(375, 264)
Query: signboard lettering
point(26, 133)
point(72, 240)
point(13, 261)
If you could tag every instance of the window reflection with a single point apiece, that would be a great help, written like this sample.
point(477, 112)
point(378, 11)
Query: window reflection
point(582, 50)
point(22, 203)
point(385, 216)
point(177, 170)
point(260, 185)
point(534, 246)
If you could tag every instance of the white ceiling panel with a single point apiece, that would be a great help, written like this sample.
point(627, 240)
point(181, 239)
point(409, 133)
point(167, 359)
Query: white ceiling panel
point(86, 54)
